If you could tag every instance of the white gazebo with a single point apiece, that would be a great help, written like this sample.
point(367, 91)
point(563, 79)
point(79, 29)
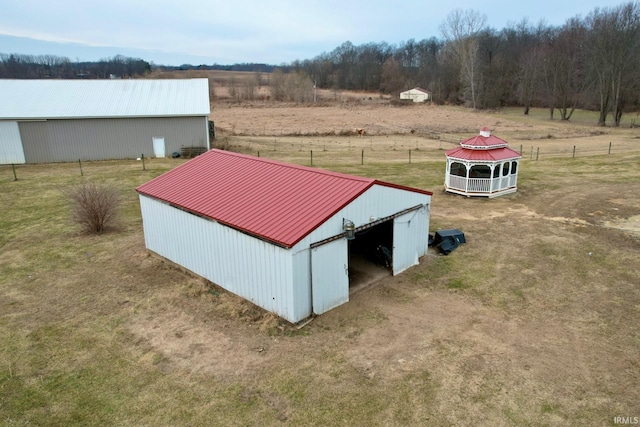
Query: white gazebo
point(483, 166)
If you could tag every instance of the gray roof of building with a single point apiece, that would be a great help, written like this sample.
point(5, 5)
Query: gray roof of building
point(70, 99)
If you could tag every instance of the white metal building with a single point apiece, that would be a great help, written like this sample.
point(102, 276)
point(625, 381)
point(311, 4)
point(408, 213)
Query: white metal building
point(280, 235)
point(66, 120)
point(416, 94)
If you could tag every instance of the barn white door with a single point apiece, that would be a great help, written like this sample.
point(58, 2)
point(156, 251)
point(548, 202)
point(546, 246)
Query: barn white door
point(158, 146)
point(406, 233)
point(329, 275)
point(11, 150)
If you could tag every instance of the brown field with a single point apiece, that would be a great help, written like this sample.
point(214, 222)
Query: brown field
point(532, 322)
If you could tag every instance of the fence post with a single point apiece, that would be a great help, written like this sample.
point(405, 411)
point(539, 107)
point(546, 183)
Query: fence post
point(521, 149)
point(15, 177)
point(362, 158)
point(537, 154)
point(574, 151)
point(258, 153)
point(409, 156)
point(143, 166)
point(311, 157)
point(609, 147)
point(80, 164)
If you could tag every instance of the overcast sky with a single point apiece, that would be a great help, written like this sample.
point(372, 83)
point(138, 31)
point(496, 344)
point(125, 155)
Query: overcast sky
point(172, 32)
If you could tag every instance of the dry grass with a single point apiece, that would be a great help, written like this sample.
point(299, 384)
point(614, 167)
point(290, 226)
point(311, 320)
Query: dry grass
point(532, 322)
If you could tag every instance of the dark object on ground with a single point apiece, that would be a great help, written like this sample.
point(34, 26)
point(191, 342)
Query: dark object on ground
point(383, 255)
point(448, 240)
point(175, 154)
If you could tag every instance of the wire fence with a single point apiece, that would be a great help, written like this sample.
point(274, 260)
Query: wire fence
point(573, 151)
point(328, 151)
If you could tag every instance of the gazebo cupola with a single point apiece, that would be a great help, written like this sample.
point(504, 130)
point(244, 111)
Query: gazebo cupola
point(483, 165)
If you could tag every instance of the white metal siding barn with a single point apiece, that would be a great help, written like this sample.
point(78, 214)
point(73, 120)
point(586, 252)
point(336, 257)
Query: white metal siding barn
point(274, 233)
point(65, 120)
point(416, 94)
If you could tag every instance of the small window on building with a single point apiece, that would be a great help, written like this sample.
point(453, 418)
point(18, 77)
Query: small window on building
point(514, 167)
point(505, 169)
point(496, 172)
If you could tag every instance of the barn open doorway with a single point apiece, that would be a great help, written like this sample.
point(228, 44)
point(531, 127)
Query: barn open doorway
point(370, 255)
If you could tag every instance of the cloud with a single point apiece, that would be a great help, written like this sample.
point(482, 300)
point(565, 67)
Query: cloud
point(254, 31)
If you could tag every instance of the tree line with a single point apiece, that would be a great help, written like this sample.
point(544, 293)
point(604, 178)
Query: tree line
point(18, 66)
point(589, 62)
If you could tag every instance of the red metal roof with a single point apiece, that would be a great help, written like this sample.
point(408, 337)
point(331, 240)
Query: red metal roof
point(481, 142)
point(495, 154)
point(276, 201)
point(484, 147)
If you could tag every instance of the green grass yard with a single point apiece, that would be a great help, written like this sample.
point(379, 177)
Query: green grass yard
point(532, 322)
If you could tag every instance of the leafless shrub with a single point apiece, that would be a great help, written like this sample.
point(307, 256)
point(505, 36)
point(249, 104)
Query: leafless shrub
point(292, 87)
point(94, 206)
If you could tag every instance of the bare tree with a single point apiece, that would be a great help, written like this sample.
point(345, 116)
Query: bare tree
point(570, 68)
point(249, 89)
point(234, 93)
point(460, 31)
point(212, 89)
point(613, 45)
point(529, 71)
point(277, 85)
point(299, 87)
point(294, 87)
point(392, 77)
point(94, 206)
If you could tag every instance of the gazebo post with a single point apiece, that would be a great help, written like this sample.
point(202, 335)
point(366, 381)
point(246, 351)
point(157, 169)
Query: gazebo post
point(466, 181)
point(447, 174)
point(493, 168)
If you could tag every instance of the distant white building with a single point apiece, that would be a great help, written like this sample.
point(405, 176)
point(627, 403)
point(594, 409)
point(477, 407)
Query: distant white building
point(45, 121)
point(417, 94)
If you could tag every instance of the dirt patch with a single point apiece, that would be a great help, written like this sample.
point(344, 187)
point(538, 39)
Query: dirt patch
point(631, 224)
point(192, 344)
